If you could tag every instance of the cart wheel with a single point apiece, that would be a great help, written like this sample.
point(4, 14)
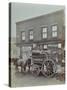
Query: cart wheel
point(48, 68)
point(35, 70)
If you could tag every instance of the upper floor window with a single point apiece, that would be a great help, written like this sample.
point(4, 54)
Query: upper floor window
point(54, 31)
point(23, 35)
point(44, 32)
point(31, 34)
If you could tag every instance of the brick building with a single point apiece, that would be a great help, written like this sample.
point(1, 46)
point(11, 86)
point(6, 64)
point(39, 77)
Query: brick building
point(46, 32)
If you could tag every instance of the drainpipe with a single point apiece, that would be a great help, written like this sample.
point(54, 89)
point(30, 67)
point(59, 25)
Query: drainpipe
point(21, 52)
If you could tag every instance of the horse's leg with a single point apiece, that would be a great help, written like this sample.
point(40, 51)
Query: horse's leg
point(16, 67)
point(21, 68)
point(29, 68)
point(24, 67)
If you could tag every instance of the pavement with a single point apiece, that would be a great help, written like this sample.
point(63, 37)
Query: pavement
point(19, 79)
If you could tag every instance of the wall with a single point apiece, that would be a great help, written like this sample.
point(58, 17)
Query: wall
point(37, 23)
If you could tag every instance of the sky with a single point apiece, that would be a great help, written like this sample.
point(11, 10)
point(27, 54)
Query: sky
point(23, 11)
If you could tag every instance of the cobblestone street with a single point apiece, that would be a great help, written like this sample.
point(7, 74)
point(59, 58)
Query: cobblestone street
point(19, 79)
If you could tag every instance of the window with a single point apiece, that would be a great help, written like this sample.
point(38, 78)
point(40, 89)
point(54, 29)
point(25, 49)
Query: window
point(44, 32)
point(34, 45)
point(31, 34)
point(53, 45)
point(54, 31)
point(59, 45)
point(45, 46)
point(23, 35)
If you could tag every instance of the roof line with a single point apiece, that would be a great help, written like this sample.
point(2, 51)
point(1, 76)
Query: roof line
point(39, 16)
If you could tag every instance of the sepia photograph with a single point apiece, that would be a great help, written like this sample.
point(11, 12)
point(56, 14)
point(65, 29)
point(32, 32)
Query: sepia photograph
point(36, 44)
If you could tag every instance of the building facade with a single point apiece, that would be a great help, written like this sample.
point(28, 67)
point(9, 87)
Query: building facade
point(43, 32)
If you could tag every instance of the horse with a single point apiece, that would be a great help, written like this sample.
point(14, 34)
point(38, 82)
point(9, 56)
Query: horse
point(27, 64)
point(23, 64)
